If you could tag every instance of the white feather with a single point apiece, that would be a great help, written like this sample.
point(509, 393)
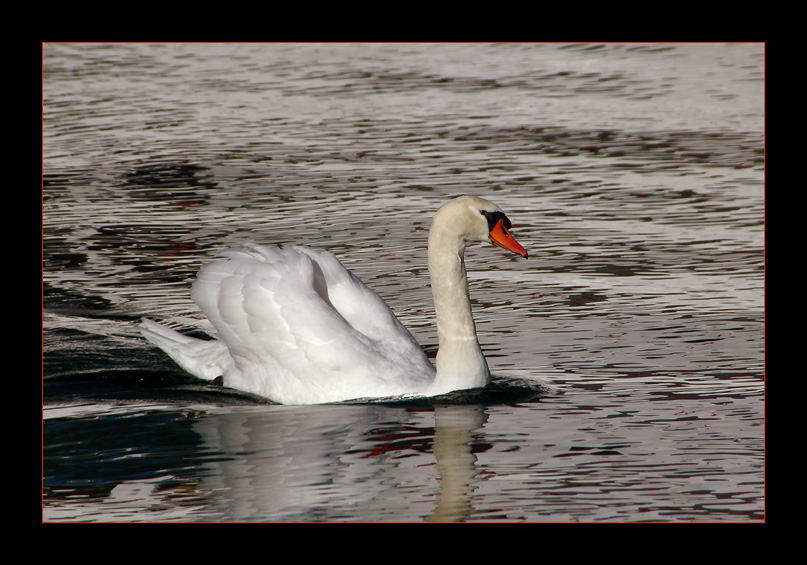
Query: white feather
point(297, 327)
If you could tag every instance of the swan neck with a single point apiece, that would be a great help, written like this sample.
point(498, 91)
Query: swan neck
point(460, 361)
point(452, 301)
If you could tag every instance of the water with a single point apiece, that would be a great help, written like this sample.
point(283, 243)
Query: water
point(628, 349)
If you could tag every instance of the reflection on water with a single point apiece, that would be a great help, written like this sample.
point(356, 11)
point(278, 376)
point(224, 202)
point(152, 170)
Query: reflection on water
point(550, 460)
point(632, 173)
point(456, 461)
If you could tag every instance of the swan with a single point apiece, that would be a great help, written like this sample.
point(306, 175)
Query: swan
point(297, 327)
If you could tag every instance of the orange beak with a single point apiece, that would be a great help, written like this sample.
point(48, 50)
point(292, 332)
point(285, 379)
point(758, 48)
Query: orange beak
point(500, 237)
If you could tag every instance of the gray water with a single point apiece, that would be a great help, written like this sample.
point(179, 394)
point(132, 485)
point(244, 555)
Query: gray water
point(628, 350)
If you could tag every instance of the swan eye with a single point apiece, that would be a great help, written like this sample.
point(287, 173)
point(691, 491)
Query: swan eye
point(494, 218)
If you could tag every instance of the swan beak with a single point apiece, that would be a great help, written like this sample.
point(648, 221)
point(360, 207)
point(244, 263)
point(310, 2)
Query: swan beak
point(501, 237)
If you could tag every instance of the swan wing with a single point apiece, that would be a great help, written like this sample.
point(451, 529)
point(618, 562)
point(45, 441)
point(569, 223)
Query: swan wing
point(357, 303)
point(301, 328)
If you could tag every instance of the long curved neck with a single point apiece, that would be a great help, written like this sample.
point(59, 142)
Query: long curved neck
point(460, 362)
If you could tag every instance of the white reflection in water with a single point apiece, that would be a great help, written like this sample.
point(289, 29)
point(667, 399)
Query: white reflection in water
point(553, 460)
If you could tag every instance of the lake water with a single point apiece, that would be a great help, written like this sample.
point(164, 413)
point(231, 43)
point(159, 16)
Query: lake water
point(628, 350)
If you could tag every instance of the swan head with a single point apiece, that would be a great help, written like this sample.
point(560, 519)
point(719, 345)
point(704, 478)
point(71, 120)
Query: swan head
point(470, 218)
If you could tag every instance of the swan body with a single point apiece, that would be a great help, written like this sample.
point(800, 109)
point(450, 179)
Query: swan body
point(297, 327)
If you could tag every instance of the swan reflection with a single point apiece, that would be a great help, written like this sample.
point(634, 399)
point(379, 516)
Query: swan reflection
point(299, 464)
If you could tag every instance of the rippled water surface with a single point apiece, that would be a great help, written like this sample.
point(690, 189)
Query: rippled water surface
point(628, 350)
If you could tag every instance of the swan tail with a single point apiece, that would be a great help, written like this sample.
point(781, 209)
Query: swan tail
point(205, 359)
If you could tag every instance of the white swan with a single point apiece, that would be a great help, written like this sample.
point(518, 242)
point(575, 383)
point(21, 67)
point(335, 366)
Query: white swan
point(298, 328)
